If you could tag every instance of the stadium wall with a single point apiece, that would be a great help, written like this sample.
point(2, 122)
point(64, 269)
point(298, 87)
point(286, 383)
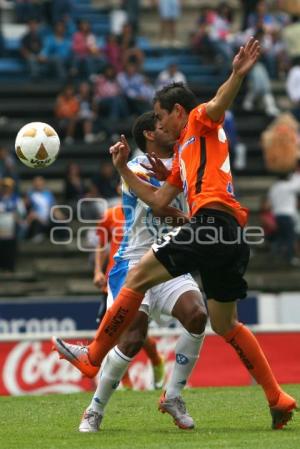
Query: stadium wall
point(28, 366)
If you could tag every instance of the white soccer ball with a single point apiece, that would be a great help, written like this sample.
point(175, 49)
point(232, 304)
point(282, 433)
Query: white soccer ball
point(37, 145)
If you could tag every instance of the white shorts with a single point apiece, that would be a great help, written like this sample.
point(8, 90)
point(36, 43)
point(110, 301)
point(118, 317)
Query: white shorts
point(159, 300)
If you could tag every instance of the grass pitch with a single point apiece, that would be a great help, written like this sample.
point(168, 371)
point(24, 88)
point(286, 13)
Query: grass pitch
point(226, 418)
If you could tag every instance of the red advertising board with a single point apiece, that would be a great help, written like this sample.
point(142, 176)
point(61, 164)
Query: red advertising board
point(32, 368)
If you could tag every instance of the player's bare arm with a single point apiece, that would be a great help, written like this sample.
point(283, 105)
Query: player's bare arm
point(242, 64)
point(157, 199)
point(101, 257)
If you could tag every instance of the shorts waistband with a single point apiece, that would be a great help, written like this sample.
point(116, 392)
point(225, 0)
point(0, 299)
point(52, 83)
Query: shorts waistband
point(216, 214)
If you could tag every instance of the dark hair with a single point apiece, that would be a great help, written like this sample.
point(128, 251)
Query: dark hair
point(146, 122)
point(176, 93)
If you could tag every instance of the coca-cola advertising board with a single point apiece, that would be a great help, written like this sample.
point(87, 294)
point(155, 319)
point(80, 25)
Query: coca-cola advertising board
point(31, 367)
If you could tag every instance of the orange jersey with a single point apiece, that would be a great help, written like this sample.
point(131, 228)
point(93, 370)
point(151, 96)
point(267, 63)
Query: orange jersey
point(201, 166)
point(110, 230)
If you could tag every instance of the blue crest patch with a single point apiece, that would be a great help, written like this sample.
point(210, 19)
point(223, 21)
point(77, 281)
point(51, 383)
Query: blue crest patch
point(181, 359)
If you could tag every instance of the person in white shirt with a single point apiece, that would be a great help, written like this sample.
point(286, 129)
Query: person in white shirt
point(169, 76)
point(283, 201)
point(293, 87)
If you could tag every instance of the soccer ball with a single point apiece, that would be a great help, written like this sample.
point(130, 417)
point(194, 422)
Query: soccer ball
point(37, 145)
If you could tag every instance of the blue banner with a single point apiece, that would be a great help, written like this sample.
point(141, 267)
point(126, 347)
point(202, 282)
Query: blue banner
point(20, 315)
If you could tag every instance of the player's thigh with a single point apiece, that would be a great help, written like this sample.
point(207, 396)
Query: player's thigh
point(223, 315)
point(147, 273)
point(133, 338)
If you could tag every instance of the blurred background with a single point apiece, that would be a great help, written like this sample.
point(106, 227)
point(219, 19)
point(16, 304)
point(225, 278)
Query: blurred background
point(89, 68)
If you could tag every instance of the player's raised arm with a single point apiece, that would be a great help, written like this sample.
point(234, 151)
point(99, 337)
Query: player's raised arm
point(157, 199)
point(242, 64)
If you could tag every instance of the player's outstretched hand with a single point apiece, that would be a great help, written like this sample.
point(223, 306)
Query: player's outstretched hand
point(120, 152)
point(246, 57)
point(156, 167)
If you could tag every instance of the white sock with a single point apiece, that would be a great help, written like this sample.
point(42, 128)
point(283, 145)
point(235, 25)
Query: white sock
point(187, 351)
point(113, 370)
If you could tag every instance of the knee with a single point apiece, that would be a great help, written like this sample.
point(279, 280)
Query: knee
point(133, 343)
point(195, 322)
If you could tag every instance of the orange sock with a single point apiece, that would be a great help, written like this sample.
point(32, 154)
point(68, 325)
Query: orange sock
point(252, 356)
point(151, 351)
point(113, 324)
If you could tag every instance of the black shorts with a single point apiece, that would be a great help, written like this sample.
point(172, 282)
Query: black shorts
point(213, 244)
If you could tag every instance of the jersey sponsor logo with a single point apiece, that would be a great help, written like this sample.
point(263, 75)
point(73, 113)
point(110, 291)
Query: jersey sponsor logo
point(185, 144)
point(181, 359)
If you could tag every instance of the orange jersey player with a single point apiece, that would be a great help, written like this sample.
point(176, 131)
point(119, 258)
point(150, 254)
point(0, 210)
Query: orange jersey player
point(110, 235)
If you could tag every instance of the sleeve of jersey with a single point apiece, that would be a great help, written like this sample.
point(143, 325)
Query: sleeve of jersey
point(203, 122)
point(174, 177)
point(137, 169)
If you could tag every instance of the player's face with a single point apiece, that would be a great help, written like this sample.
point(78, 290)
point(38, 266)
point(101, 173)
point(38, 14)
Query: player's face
point(162, 138)
point(168, 121)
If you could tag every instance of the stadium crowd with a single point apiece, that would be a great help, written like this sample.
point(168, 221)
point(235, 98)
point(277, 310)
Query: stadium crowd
point(103, 82)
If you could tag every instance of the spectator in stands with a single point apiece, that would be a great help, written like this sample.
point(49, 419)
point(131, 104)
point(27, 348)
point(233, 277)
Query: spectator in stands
point(108, 95)
point(293, 87)
point(259, 88)
point(248, 8)
point(61, 9)
point(74, 188)
point(56, 52)
point(169, 76)
point(86, 115)
point(106, 181)
point(169, 13)
point(283, 201)
point(39, 203)
point(86, 53)
point(66, 111)
point(268, 222)
point(262, 18)
point(31, 46)
point(138, 91)
point(129, 48)
point(113, 52)
point(7, 164)
point(12, 213)
point(132, 8)
point(237, 149)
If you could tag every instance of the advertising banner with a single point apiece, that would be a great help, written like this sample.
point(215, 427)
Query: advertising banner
point(31, 367)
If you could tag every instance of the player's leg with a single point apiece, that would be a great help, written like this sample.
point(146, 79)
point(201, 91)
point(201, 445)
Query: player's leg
point(115, 365)
point(190, 310)
point(143, 276)
point(157, 361)
point(224, 322)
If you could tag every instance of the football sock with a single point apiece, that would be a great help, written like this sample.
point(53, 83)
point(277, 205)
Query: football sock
point(114, 367)
point(151, 350)
point(187, 351)
point(252, 356)
point(114, 322)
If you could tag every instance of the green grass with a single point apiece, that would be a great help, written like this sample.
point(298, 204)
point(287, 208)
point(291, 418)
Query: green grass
point(226, 418)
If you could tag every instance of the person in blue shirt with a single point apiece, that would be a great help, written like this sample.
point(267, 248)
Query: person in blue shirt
point(56, 52)
point(12, 213)
point(40, 201)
